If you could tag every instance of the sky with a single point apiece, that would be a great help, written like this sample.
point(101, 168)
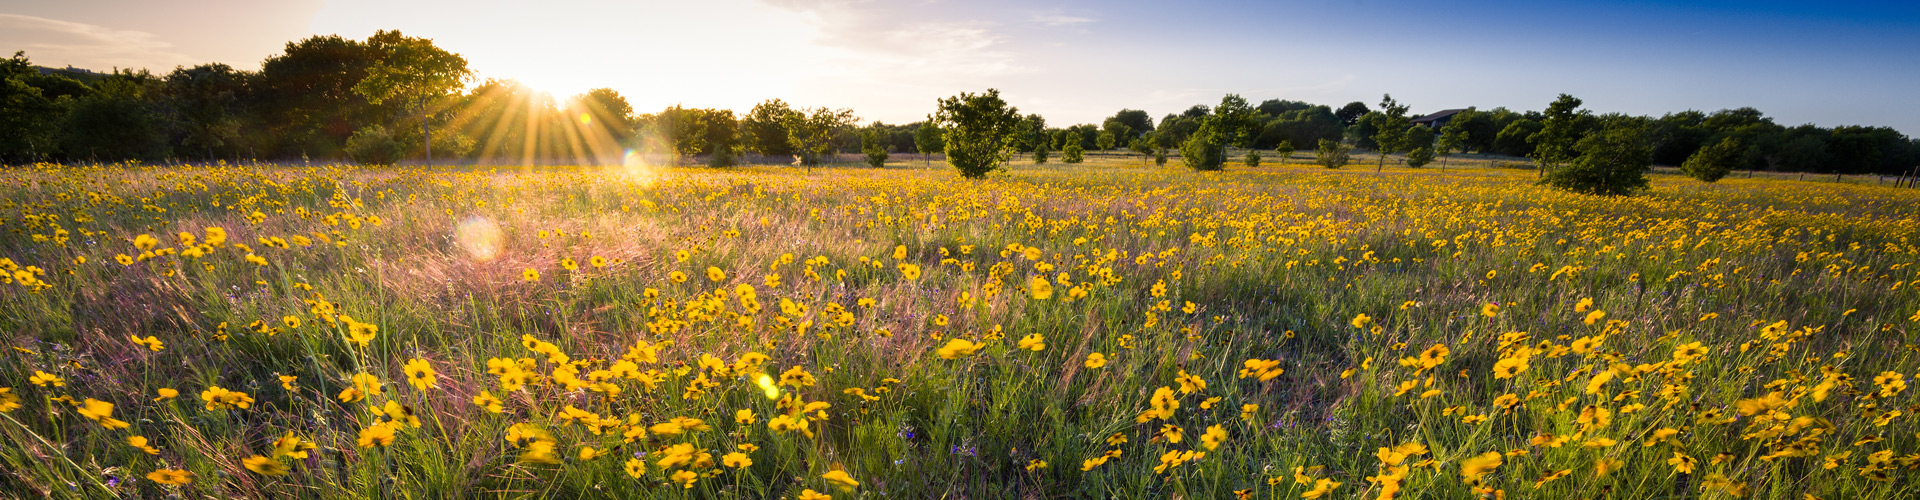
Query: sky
point(1073, 61)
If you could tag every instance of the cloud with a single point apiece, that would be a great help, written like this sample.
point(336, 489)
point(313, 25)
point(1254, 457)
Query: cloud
point(51, 42)
point(892, 41)
point(1057, 19)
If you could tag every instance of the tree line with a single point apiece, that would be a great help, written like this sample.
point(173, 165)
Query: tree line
point(392, 97)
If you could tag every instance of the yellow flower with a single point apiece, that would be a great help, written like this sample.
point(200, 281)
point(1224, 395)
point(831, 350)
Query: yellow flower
point(1681, 463)
point(375, 435)
point(588, 453)
point(292, 322)
point(286, 382)
point(141, 443)
point(715, 274)
point(420, 374)
point(1213, 437)
point(685, 477)
point(957, 348)
point(736, 460)
point(597, 261)
point(151, 343)
point(8, 400)
point(1583, 305)
point(1033, 342)
point(1096, 360)
point(1490, 310)
point(123, 259)
point(1321, 487)
point(102, 412)
point(264, 466)
point(1361, 321)
point(1475, 467)
point(569, 264)
point(221, 399)
point(487, 401)
point(1594, 316)
point(44, 379)
point(166, 394)
point(1040, 288)
point(910, 271)
point(813, 495)
point(840, 479)
point(171, 477)
point(530, 275)
point(359, 333)
point(636, 468)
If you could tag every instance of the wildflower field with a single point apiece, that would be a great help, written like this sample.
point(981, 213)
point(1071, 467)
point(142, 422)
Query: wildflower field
point(1097, 331)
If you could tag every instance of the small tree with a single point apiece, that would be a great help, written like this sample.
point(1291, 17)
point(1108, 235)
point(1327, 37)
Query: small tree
point(926, 139)
point(1612, 162)
point(1419, 157)
point(372, 145)
point(1284, 151)
point(1392, 125)
point(1040, 154)
point(1332, 154)
point(1203, 150)
point(1072, 153)
point(1143, 145)
point(977, 131)
point(811, 133)
point(1104, 141)
point(1453, 137)
point(1553, 144)
point(874, 146)
point(1713, 162)
point(1253, 157)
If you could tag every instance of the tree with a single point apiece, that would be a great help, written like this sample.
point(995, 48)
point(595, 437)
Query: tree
point(766, 128)
point(1453, 137)
point(1392, 123)
point(1143, 144)
point(305, 101)
point(205, 100)
point(415, 73)
point(1203, 150)
point(1119, 131)
point(720, 137)
point(1105, 140)
point(372, 145)
point(1284, 151)
point(1351, 113)
point(1253, 158)
point(977, 127)
point(926, 139)
point(116, 122)
point(871, 143)
point(1611, 162)
point(1479, 129)
point(1040, 154)
point(1073, 153)
point(682, 129)
point(1420, 156)
point(1138, 123)
point(1517, 138)
point(1332, 154)
point(29, 120)
point(1553, 145)
point(1713, 162)
point(811, 133)
point(607, 116)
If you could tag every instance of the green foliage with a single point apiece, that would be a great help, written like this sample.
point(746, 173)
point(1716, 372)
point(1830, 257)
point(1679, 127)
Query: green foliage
point(1203, 150)
point(977, 127)
point(1284, 150)
point(1105, 140)
point(1233, 121)
point(1517, 138)
point(811, 133)
point(1350, 114)
point(372, 145)
point(1713, 162)
point(117, 122)
point(1143, 144)
point(1419, 157)
point(1553, 145)
point(1332, 154)
point(411, 70)
point(1253, 158)
point(608, 114)
point(766, 128)
point(872, 144)
point(926, 138)
point(1612, 162)
point(28, 119)
point(1040, 155)
point(1072, 153)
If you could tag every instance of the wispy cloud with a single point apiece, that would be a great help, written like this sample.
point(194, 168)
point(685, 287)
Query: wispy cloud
point(57, 42)
point(1056, 18)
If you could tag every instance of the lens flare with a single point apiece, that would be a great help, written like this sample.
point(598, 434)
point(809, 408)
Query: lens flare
point(479, 236)
point(766, 384)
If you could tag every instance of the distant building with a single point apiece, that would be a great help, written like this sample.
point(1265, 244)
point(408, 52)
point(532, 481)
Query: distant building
point(1437, 120)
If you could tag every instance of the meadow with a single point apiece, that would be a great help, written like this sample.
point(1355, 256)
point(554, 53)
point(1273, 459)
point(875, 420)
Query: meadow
point(1105, 330)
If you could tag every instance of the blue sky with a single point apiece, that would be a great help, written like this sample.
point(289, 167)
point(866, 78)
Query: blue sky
point(1078, 61)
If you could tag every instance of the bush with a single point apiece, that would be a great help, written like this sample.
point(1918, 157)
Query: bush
point(721, 157)
point(1072, 153)
point(1202, 151)
point(1253, 158)
point(1160, 157)
point(372, 145)
point(1713, 162)
point(873, 144)
point(1284, 151)
point(1419, 157)
point(1612, 162)
point(976, 130)
point(1040, 155)
point(1332, 154)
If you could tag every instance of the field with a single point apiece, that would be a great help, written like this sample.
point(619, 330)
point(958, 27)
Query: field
point(1106, 330)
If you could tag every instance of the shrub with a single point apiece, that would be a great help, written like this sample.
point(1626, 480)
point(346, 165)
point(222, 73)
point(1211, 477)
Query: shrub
point(1419, 157)
point(1612, 162)
point(1284, 151)
point(1253, 158)
point(976, 130)
point(1072, 153)
point(1713, 162)
point(1202, 151)
point(1332, 154)
point(372, 145)
point(1040, 155)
